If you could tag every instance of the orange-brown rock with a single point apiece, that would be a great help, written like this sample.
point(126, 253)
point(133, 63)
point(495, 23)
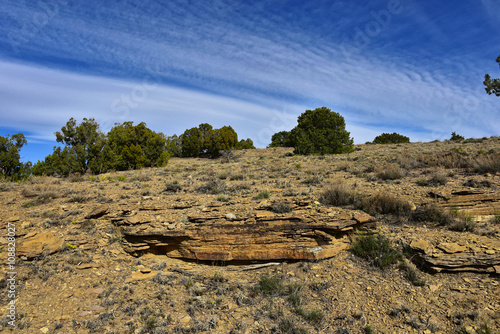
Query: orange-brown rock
point(476, 203)
point(256, 237)
point(34, 244)
point(452, 257)
point(98, 212)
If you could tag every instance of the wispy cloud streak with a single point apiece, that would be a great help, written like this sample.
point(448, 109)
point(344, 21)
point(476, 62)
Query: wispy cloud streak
point(231, 62)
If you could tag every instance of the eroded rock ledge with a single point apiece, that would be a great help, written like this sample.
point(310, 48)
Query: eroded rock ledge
point(468, 255)
point(257, 236)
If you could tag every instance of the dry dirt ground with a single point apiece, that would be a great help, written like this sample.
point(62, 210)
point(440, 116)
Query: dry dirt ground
point(75, 277)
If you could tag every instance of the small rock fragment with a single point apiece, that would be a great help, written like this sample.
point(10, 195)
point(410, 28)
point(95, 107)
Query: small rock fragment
point(98, 212)
point(451, 248)
point(422, 245)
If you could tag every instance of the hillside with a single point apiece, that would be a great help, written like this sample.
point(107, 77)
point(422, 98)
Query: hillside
point(173, 249)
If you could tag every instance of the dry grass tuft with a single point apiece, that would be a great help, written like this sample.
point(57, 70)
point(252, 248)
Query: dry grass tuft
point(391, 172)
point(338, 195)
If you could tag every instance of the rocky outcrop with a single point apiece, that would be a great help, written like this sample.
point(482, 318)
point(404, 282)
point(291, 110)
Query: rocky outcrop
point(36, 244)
point(256, 236)
point(474, 202)
point(454, 257)
point(98, 212)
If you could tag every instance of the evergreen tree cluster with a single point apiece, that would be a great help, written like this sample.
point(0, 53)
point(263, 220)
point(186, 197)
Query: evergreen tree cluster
point(492, 86)
point(205, 141)
point(10, 167)
point(391, 138)
point(88, 149)
point(85, 148)
point(318, 131)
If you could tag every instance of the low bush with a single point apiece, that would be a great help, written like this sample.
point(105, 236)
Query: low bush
point(438, 179)
point(337, 195)
point(172, 187)
point(271, 285)
point(431, 213)
point(455, 220)
point(477, 184)
point(223, 198)
point(313, 179)
point(496, 218)
point(214, 186)
point(463, 224)
point(281, 207)
point(412, 273)
point(263, 194)
point(392, 172)
point(377, 249)
point(456, 137)
point(391, 138)
point(312, 316)
point(384, 203)
point(489, 163)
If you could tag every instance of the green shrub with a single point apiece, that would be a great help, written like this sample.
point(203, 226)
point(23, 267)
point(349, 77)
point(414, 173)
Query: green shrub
point(172, 187)
point(484, 329)
point(496, 218)
point(295, 294)
point(10, 166)
point(377, 249)
point(205, 140)
point(456, 137)
point(318, 131)
point(245, 144)
point(287, 326)
point(271, 285)
point(263, 194)
point(423, 182)
point(391, 138)
point(88, 149)
point(219, 277)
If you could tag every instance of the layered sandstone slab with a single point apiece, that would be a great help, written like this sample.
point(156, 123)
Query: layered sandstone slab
point(474, 202)
point(260, 236)
point(475, 253)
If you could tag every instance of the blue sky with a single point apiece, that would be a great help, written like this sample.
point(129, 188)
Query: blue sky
point(412, 67)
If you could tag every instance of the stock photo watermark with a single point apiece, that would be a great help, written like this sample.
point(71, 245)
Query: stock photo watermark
point(30, 28)
point(130, 100)
point(11, 274)
point(280, 121)
point(364, 34)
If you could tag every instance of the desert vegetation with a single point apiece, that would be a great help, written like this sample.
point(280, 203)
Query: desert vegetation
point(391, 138)
point(430, 203)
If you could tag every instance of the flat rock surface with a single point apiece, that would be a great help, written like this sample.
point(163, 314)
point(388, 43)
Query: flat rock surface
point(254, 237)
point(36, 244)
